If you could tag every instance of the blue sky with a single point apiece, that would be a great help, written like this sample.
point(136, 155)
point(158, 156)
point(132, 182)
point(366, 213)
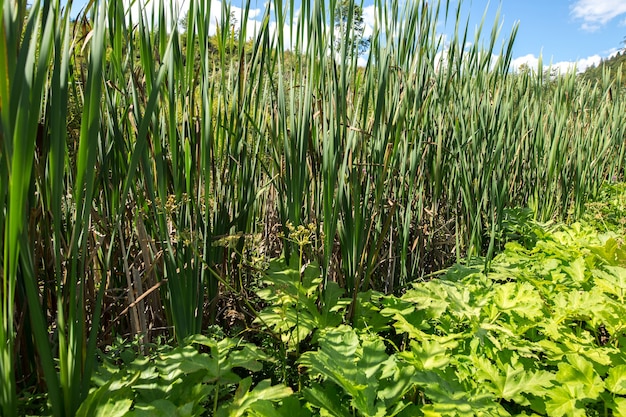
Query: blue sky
point(563, 32)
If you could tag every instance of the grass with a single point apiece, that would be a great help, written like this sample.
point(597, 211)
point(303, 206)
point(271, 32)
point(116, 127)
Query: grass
point(153, 146)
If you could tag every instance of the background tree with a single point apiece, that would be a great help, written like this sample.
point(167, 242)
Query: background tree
point(350, 29)
point(615, 65)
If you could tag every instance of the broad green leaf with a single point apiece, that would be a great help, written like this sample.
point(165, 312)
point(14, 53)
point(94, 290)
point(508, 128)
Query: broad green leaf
point(579, 375)
point(368, 314)
point(488, 339)
point(414, 325)
point(460, 403)
point(412, 410)
point(608, 252)
point(462, 302)
point(162, 408)
point(183, 389)
point(372, 356)
point(513, 381)
point(107, 402)
point(619, 409)
point(187, 360)
point(248, 357)
point(565, 400)
point(554, 351)
point(430, 297)
point(460, 272)
point(336, 357)
point(438, 384)
point(546, 267)
point(429, 411)
point(395, 386)
point(522, 299)
point(575, 304)
point(354, 365)
point(393, 306)
point(429, 354)
point(576, 270)
point(293, 302)
point(612, 280)
point(327, 397)
point(333, 306)
point(292, 325)
point(289, 407)
point(616, 381)
point(245, 400)
point(225, 355)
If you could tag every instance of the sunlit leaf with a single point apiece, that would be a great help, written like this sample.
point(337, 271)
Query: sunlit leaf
point(576, 270)
point(289, 407)
point(246, 400)
point(612, 280)
point(565, 401)
point(358, 364)
point(579, 374)
point(105, 402)
point(429, 355)
point(521, 299)
point(616, 381)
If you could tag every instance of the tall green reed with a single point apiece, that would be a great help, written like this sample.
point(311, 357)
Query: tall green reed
point(25, 51)
point(399, 161)
point(33, 131)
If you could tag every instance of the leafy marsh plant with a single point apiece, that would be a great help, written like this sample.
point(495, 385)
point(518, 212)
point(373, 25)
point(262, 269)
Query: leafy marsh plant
point(186, 137)
point(541, 333)
point(184, 381)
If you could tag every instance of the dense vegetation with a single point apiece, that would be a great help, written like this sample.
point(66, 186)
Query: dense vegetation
point(612, 67)
point(251, 222)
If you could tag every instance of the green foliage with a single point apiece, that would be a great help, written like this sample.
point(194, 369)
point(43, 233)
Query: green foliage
point(608, 210)
point(294, 296)
point(354, 370)
point(205, 374)
point(613, 68)
point(350, 28)
point(542, 331)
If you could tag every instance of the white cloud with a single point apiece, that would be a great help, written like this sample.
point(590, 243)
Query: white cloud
point(529, 61)
point(614, 51)
point(369, 19)
point(178, 9)
point(562, 67)
point(590, 61)
point(596, 13)
point(590, 27)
